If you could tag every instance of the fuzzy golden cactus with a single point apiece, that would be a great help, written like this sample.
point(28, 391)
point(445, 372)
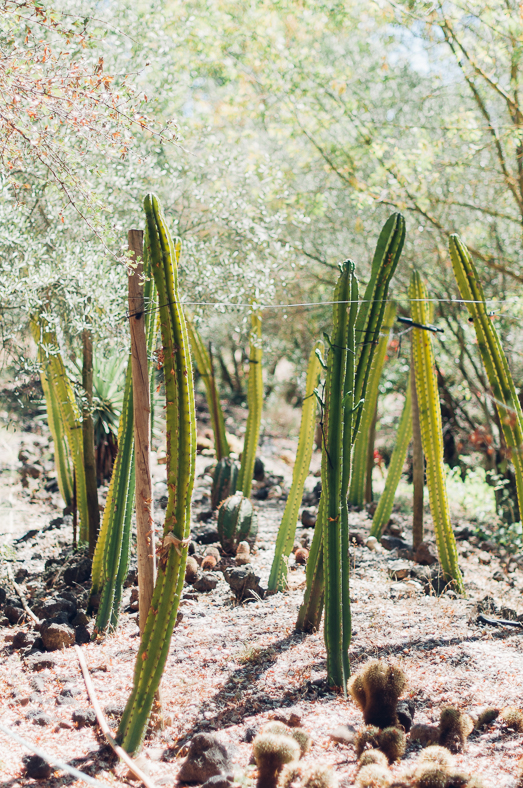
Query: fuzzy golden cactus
point(373, 756)
point(366, 738)
point(454, 728)
point(512, 717)
point(373, 776)
point(393, 743)
point(271, 752)
point(376, 689)
point(296, 775)
point(486, 717)
point(438, 756)
point(298, 734)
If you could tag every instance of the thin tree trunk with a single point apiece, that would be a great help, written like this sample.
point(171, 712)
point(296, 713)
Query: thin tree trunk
point(142, 432)
point(91, 485)
point(370, 457)
point(418, 465)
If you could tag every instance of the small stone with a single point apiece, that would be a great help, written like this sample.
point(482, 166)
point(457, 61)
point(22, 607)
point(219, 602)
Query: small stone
point(207, 535)
point(206, 758)
point(21, 573)
point(84, 718)
point(309, 517)
point(372, 543)
point(78, 572)
point(3, 595)
point(51, 608)
point(243, 581)
point(82, 635)
point(499, 577)
point(398, 570)
point(13, 613)
point(243, 554)
point(207, 582)
point(191, 570)
point(426, 554)
point(114, 710)
point(343, 734)
point(275, 492)
point(38, 718)
point(250, 734)
point(57, 636)
point(301, 556)
point(41, 662)
point(259, 470)
point(208, 563)
point(218, 781)
point(23, 639)
point(65, 725)
point(64, 700)
point(80, 620)
point(393, 543)
point(36, 768)
point(484, 558)
point(356, 536)
point(405, 711)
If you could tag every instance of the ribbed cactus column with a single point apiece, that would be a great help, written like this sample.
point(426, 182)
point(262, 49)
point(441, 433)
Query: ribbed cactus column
point(493, 357)
point(287, 529)
point(254, 404)
point(431, 432)
point(181, 453)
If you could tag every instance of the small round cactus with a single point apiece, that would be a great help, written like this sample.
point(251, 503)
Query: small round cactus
point(237, 522)
point(224, 481)
point(271, 752)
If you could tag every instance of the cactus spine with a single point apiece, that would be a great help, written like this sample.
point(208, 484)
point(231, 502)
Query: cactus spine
point(205, 368)
point(287, 529)
point(431, 432)
point(361, 444)
point(237, 522)
point(493, 357)
point(255, 406)
point(367, 328)
point(63, 395)
point(181, 453)
point(403, 438)
point(62, 460)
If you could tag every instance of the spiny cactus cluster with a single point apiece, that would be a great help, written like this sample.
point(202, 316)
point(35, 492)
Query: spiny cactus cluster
point(391, 742)
point(376, 689)
point(277, 750)
point(452, 732)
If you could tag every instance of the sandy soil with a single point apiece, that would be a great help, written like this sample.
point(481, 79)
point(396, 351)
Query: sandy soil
point(233, 666)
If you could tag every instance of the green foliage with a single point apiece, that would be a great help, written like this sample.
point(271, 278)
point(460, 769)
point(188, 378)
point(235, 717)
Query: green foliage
point(287, 529)
point(237, 522)
point(431, 432)
point(254, 404)
point(181, 453)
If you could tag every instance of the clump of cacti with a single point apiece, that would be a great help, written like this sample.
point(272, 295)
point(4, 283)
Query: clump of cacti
point(393, 743)
point(486, 717)
point(454, 728)
point(373, 776)
point(512, 717)
point(366, 738)
point(271, 752)
point(298, 734)
point(376, 689)
point(224, 479)
point(237, 522)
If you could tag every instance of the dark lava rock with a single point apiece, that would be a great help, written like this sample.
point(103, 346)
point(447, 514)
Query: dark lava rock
point(244, 583)
point(84, 718)
point(426, 554)
point(162, 502)
point(464, 532)
point(394, 542)
point(40, 662)
point(62, 700)
point(207, 757)
point(50, 608)
point(38, 717)
point(259, 470)
point(405, 711)
point(21, 573)
point(3, 595)
point(343, 734)
point(114, 710)
point(80, 620)
point(82, 635)
point(24, 639)
point(78, 572)
point(13, 613)
point(207, 582)
point(308, 518)
point(262, 494)
point(205, 516)
point(57, 636)
point(207, 535)
point(250, 734)
point(132, 578)
point(356, 536)
point(36, 768)
point(219, 781)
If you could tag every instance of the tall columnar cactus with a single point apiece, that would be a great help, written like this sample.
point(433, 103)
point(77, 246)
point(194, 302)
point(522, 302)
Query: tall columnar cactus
point(54, 369)
point(237, 522)
point(62, 457)
point(397, 461)
point(431, 431)
point(181, 454)
point(287, 529)
point(367, 330)
point(493, 357)
point(362, 444)
point(205, 368)
point(255, 406)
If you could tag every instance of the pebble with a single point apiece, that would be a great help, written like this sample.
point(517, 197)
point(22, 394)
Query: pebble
point(36, 768)
point(84, 718)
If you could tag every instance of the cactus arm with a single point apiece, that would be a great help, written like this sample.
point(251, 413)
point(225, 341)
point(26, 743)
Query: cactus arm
point(110, 542)
point(287, 529)
point(331, 477)
point(403, 438)
point(62, 460)
point(370, 317)
point(493, 357)
point(181, 451)
point(205, 368)
point(361, 443)
point(123, 564)
point(255, 406)
point(431, 432)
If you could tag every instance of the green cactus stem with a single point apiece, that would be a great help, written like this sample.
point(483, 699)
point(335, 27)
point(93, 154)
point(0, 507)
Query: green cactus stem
point(205, 368)
point(237, 522)
point(494, 359)
point(181, 453)
point(287, 529)
point(224, 480)
point(362, 442)
point(431, 432)
point(63, 395)
point(254, 404)
point(62, 458)
point(397, 461)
